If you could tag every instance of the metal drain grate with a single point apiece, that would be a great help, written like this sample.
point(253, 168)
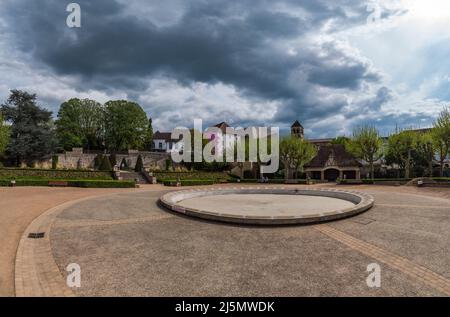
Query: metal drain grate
point(36, 235)
point(363, 221)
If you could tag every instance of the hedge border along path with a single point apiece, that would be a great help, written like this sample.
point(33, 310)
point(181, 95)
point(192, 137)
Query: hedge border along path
point(191, 175)
point(72, 183)
point(24, 173)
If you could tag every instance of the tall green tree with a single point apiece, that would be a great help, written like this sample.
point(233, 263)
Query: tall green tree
point(441, 136)
point(31, 135)
point(149, 136)
point(295, 153)
point(341, 140)
point(400, 150)
point(4, 134)
point(366, 144)
point(426, 149)
point(126, 126)
point(80, 124)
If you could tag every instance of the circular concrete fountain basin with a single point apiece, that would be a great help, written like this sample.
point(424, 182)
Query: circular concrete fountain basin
point(267, 205)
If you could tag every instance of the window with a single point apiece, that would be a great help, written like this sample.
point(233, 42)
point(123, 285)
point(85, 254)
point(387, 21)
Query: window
point(160, 145)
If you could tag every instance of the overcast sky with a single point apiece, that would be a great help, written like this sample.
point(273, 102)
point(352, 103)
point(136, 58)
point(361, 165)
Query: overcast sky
point(266, 62)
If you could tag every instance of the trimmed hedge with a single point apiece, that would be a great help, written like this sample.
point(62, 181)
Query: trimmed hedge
point(441, 179)
point(101, 184)
point(350, 181)
point(271, 181)
point(374, 181)
point(71, 183)
point(188, 182)
point(25, 182)
point(196, 175)
point(31, 173)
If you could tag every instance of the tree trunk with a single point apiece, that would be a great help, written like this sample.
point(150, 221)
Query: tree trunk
point(441, 168)
point(372, 170)
point(408, 165)
point(430, 165)
point(286, 170)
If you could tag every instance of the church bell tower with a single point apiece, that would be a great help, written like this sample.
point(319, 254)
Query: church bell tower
point(297, 130)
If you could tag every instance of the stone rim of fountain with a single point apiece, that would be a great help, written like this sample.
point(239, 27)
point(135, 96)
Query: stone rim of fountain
point(362, 201)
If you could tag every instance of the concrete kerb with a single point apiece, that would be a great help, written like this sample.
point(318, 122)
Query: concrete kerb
point(362, 202)
point(36, 273)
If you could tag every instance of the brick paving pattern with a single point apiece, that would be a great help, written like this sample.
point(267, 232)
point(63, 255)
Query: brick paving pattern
point(414, 270)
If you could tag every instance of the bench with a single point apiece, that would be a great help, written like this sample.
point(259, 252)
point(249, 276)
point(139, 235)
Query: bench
point(58, 183)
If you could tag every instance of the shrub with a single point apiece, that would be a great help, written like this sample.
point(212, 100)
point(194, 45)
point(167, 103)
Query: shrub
point(124, 164)
point(105, 164)
point(98, 161)
point(139, 164)
point(168, 164)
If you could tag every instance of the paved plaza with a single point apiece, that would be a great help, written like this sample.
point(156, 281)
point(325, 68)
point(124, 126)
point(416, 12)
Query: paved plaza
point(126, 245)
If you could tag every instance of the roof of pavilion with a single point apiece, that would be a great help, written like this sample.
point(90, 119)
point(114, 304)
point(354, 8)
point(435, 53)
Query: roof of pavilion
point(333, 155)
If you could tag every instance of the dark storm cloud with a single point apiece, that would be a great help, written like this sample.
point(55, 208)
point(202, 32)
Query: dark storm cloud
point(370, 105)
point(240, 43)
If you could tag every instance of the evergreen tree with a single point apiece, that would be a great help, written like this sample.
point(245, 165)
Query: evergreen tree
point(139, 164)
point(4, 134)
point(98, 161)
point(31, 135)
point(149, 136)
point(105, 164)
point(124, 164)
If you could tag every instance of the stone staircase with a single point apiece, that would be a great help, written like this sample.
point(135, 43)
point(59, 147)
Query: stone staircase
point(125, 175)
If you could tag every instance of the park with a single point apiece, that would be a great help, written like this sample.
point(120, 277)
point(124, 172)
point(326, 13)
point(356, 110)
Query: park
point(97, 190)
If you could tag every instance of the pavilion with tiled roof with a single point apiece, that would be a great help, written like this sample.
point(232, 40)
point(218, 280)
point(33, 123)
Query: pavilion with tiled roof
point(332, 162)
